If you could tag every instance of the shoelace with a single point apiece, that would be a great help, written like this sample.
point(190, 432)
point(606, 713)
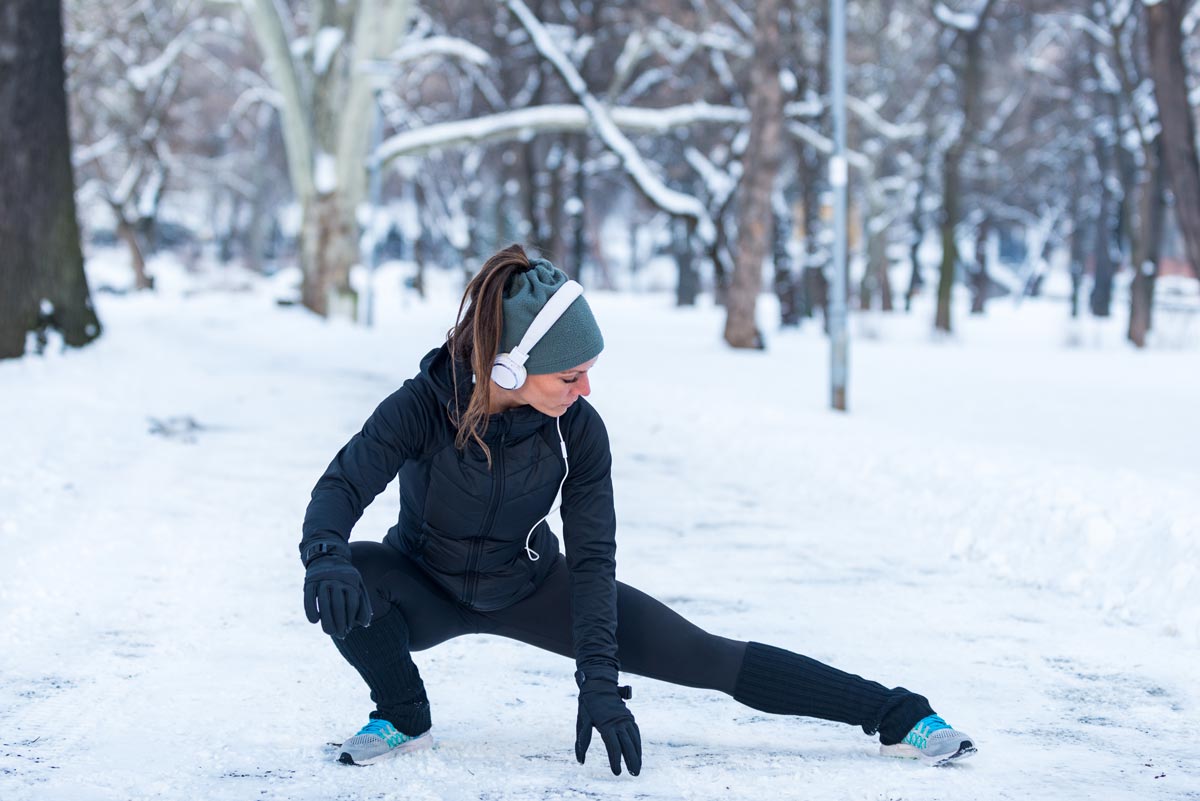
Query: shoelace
point(926, 726)
point(383, 730)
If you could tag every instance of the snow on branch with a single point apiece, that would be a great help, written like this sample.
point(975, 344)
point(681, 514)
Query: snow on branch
point(720, 184)
point(255, 94)
point(812, 107)
point(662, 120)
point(1002, 114)
point(1191, 20)
point(739, 16)
point(631, 54)
point(325, 44)
point(889, 130)
point(441, 46)
point(1119, 12)
point(809, 107)
point(565, 118)
point(966, 21)
point(825, 145)
point(676, 43)
point(1085, 24)
point(82, 154)
point(141, 75)
point(1108, 79)
point(664, 197)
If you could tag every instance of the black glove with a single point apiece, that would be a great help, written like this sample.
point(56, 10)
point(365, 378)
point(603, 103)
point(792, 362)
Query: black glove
point(334, 593)
point(600, 705)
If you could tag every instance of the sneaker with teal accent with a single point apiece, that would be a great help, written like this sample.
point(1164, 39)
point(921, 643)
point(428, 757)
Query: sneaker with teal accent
point(933, 742)
point(378, 740)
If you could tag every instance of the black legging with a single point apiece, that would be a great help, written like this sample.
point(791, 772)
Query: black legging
point(412, 613)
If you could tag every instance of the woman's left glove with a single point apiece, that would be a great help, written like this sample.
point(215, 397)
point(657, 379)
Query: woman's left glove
point(335, 595)
point(600, 705)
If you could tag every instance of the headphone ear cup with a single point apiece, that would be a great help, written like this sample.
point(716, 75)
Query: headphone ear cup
point(506, 373)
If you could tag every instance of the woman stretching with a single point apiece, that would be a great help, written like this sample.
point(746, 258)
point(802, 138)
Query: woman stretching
point(484, 439)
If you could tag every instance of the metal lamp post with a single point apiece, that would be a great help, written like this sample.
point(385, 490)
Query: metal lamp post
point(838, 174)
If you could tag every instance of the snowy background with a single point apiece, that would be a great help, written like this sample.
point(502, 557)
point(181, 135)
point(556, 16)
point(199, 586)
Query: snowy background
point(1006, 522)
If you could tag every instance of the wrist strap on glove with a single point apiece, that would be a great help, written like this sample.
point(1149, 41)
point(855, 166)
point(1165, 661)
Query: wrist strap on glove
point(313, 551)
point(625, 691)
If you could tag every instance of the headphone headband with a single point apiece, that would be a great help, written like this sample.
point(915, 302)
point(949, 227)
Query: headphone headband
point(562, 298)
point(508, 370)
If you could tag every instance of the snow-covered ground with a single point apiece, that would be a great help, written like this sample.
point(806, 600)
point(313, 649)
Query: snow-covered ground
point(1006, 522)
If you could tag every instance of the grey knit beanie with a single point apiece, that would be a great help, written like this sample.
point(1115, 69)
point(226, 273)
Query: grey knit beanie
point(572, 340)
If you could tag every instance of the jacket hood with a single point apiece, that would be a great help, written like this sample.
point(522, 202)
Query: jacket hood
point(436, 369)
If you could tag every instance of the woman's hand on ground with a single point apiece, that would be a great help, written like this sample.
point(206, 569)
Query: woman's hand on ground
point(335, 596)
point(601, 707)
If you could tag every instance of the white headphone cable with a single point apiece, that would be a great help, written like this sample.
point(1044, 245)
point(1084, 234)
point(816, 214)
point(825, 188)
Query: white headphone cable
point(562, 444)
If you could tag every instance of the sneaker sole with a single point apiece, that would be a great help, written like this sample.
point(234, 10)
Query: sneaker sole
point(421, 743)
point(903, 751)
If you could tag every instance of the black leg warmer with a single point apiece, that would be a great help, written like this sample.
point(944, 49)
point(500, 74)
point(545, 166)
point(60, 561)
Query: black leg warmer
point(380, 655)
point(781, 682)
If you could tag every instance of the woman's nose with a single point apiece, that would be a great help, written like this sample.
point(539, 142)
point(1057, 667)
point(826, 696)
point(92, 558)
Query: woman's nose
point(584, 385)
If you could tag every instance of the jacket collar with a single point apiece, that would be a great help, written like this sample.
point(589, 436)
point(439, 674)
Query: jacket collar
point(512, 423)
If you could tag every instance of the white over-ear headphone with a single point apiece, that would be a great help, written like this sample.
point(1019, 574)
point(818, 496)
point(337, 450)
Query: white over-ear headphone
point(508, 370)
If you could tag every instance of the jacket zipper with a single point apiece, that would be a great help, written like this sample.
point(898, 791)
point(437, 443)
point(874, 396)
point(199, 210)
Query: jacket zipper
point(485, 530)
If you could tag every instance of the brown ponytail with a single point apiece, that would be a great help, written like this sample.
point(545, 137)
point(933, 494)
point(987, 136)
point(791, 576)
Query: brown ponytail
point(475, 340)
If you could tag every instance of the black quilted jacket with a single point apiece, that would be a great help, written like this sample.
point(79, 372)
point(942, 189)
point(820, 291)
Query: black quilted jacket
point(464, 524)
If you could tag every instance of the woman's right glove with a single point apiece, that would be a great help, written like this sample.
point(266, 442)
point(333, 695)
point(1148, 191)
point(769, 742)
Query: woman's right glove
point(600, 705)
point(334, 592)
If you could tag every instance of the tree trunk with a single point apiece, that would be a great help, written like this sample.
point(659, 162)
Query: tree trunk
point(328, 250)
point(866, 287)
point(258, 230)
point(1145, 261)
point(537, 178)
point(1102, 278)
point(127, 234)
point(1141, 301)
point(969, 93)
point(1078, 268)
point(1175, 114)
point(42, 283)
point(949, 269)
point(981, 281)
point(787, 283)
point(1078, 232)
point(814, 286)
point(918, 232)
point(634, 262)
point(886, 302)
point(559, 191)
point(327, 116)
point(580, 187)
point(761, 163)
point(875, 278)
point(688, 288)
point(718, 254)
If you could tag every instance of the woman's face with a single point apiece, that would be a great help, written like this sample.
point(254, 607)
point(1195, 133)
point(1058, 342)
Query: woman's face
point(553, 393)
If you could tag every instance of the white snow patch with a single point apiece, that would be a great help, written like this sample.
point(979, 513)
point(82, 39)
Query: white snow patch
point(325, 173)
point(1040, 499)
point(325, 44)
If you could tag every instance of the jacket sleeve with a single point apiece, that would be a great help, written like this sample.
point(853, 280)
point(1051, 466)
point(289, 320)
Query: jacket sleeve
point(362, 469)
point(589, 532)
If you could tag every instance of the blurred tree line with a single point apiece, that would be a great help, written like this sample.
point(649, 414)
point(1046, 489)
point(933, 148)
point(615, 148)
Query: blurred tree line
point(700, 129)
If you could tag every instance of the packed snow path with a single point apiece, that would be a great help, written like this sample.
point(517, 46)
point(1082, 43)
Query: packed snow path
point(153, 644)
